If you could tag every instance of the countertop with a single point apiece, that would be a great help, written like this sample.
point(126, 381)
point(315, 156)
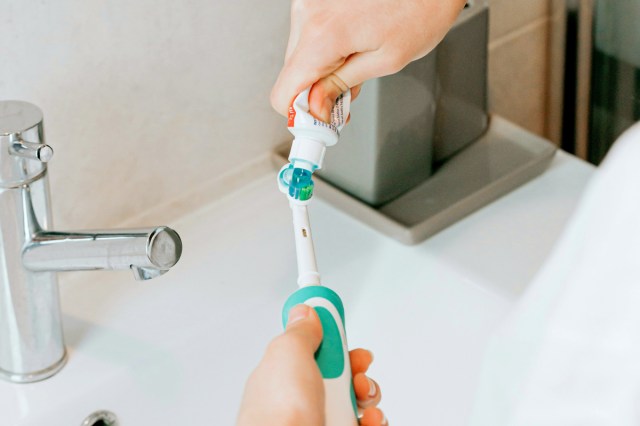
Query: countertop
point(177, 350)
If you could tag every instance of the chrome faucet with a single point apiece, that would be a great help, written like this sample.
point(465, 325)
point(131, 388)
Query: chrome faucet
point(31, 338)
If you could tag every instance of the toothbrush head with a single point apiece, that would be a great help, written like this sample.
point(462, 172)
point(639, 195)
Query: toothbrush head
point(296, 182)
point(301, 186)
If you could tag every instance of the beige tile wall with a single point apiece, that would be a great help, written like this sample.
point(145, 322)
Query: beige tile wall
point(146, 102)
point(526, 63)
point(149, 103)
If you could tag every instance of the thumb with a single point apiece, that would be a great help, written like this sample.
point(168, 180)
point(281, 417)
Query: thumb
point(357, 69)
point(287, 385)
point(323, 96)
point(303, 328)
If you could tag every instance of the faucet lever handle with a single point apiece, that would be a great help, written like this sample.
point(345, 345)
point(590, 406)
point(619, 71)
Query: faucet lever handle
point(34, 151)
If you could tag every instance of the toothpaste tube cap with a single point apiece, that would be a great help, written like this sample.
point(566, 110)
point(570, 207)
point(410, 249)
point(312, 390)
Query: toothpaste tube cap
point(309, 151)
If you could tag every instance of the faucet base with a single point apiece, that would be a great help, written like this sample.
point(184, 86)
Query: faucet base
point(503, 158)
point(35, 376)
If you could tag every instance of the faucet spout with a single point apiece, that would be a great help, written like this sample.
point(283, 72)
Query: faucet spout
point(31, 252)
point(148, 252)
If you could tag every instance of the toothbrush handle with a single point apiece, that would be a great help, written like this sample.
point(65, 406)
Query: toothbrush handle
point(332, 356)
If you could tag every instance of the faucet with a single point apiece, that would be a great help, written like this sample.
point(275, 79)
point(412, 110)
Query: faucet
point(31, 339)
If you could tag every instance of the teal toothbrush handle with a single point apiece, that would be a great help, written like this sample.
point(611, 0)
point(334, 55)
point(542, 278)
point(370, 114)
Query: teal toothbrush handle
point(332, 356)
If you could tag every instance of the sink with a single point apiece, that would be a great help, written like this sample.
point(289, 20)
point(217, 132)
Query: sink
point(178, 350)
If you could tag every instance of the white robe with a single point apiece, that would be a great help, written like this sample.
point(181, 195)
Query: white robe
point(569, 353)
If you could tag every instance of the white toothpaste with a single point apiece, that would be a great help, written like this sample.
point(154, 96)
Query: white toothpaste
point(311, 135)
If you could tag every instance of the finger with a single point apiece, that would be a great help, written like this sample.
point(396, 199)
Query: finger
point(360, 360)
point(287, 383)
point(323, 98)
point(291, 45)
point(367, 391)
point(303, 328)
point(364, 66)
point(295, 30)
point(373, 416)
point(323, 95)
point(356, 69)
point(306, 65)
point(355, 91)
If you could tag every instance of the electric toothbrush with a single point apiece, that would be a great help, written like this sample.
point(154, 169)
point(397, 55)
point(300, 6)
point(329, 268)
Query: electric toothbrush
point(295, 180)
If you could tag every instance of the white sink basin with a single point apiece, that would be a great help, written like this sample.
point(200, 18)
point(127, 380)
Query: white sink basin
point(177, 350)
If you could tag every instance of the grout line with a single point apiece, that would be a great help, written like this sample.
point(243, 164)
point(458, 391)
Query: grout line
point(206, 192)
point(583, 95)
point(544, 21)
point(556, 46)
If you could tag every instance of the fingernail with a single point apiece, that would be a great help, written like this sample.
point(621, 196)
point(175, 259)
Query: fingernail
point(372, 388)
point(384, 420)
point(370, 354)
point(297, 313)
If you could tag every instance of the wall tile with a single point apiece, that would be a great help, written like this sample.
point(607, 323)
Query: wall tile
point(557, 36)
point(147, 101)
point(518, 78)
point(144, 100)
point(510, 15)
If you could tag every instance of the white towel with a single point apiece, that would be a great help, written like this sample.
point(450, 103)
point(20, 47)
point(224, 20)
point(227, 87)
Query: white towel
point(569, 354)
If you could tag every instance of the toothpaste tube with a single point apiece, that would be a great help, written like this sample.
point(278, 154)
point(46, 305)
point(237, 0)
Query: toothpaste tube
point(311, 135)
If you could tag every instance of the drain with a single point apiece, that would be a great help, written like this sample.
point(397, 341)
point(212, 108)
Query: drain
point(100, 418)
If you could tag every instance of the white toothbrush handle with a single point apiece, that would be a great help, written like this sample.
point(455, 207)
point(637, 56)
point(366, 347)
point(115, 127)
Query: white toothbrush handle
point(332, 356)
point(307, 267)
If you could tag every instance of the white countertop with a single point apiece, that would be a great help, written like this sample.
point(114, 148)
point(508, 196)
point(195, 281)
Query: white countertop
point(177, 350)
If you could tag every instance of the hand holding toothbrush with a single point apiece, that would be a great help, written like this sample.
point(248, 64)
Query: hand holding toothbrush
point(295, 180)
point(286, 388)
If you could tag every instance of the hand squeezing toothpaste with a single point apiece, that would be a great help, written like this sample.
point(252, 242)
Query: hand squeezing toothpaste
point(336, 45)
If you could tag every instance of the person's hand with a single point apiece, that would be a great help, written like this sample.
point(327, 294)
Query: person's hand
point(335, 45)
point(286, 388)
